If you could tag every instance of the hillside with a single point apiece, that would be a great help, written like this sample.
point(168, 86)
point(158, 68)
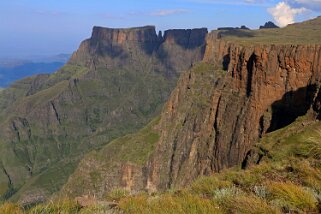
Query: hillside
point(114, 84)
point(304, 33)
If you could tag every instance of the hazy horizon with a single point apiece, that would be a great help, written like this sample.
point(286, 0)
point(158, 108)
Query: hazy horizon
point(42, 28)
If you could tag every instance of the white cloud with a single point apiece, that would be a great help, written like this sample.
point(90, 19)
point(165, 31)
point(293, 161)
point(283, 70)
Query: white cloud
point(284, 14)
point(168, 12)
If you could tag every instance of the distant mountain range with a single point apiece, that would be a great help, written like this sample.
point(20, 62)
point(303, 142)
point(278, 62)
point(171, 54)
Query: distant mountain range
point(12, 70)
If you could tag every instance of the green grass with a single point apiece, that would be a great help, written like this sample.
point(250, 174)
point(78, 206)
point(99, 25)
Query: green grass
point(63, 206)
point(301, 33)
point(134, 148)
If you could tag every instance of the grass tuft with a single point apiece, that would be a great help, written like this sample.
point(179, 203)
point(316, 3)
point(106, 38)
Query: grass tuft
point(62, 206)
point(10, 208)
point(248, 205)
point(117, 194)
point(291, 196)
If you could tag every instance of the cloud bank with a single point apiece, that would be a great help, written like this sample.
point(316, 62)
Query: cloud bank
point(285, 12)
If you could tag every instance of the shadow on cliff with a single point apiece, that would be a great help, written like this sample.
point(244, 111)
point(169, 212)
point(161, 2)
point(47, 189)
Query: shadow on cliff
point(285, 111)
point(111, 50)
point(188, 39)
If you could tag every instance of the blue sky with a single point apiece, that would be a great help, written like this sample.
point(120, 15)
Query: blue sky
point(46, 27)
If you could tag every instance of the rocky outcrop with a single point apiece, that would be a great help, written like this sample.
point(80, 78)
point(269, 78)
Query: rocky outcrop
point(269, 25)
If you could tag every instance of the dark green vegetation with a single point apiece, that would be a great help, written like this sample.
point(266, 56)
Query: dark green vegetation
point(100, 169)
point(301, 33)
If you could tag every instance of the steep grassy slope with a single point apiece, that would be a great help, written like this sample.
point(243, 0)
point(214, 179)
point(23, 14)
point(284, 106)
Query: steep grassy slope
point(114, 84)
point(102, 171)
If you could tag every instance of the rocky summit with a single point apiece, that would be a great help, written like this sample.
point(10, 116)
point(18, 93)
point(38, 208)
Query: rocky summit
point(185, 122)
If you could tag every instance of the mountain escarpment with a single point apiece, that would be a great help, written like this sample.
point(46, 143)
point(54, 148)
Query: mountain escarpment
point(262, 88)
point(113, 85)
point(217, 112)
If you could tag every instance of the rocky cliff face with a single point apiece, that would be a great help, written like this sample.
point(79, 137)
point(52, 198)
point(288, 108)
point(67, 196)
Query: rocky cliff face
point(113, 84)
point(217, 112)
point(263, 89)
